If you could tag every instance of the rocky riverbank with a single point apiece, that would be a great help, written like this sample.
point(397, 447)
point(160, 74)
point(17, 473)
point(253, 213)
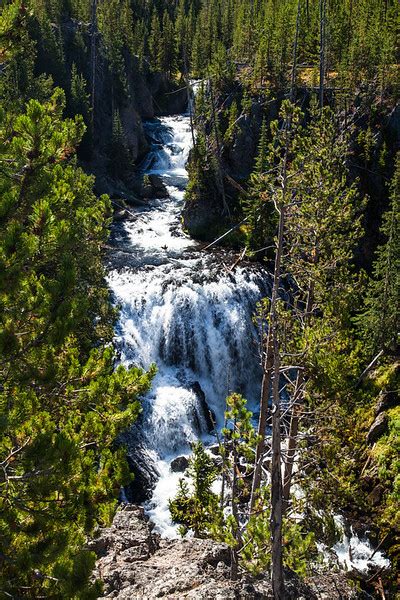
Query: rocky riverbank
point(136, 564)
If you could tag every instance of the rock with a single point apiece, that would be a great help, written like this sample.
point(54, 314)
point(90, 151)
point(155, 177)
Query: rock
point(135, 564)
point(179, 464)
point(200, 217)
point(375, 496)
point(121, 215)
point(207, 412)
point(386, 400)
point(170, 99)
point(377, 428)
point(145, 474)
point(154, 187)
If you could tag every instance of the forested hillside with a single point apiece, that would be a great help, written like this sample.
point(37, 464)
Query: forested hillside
point(294, 175)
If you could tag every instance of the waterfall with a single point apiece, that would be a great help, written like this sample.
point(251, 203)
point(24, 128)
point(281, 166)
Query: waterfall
point(186, 311)
point(189, 313)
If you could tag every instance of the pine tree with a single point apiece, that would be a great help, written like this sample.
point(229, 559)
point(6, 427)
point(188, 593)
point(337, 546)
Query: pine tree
point(120, 160)
point(380, 321)
point(62, 402)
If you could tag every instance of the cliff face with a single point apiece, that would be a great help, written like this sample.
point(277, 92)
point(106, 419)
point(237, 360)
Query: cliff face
point(148, 95)
point(135, 564)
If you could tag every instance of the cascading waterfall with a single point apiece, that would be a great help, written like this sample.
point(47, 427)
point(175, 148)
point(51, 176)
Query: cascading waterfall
point(189, 313)
point(185, 311)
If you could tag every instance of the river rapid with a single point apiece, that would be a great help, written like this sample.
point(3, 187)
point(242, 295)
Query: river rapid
point(191, 313)
point(184, 309)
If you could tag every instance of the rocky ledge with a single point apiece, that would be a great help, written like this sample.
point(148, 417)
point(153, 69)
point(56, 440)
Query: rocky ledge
point(134, 563)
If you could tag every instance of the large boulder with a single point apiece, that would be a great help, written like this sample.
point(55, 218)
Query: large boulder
point(154, 187)
point(179, 464)
point(201, 217)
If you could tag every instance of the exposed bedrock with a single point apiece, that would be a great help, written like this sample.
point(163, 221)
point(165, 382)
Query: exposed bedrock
point(136, 564)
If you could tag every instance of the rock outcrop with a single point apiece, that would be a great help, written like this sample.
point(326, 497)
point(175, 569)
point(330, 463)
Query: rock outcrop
point(377, 428)
point(135, 564)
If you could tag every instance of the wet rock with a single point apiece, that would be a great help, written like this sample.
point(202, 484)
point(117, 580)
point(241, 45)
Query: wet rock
point(145, 473)
point(206, 410)
point(154, 187)
point(377, 428)
point(179, 464)
point(200, 217)
point(121, 215)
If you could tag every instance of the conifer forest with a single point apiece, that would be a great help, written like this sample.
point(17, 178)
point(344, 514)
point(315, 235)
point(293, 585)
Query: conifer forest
point(200, 299)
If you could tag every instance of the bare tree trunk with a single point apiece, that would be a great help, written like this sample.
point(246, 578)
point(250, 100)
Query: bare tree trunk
point(189, 94)
point(269, 357)
point(294, 67)
point(295, 417)
point(292, 443)
point(278, 587)
point(93, 58)
point(234, 507)
point(322, 10)
point(276, 462)
point(262, 422)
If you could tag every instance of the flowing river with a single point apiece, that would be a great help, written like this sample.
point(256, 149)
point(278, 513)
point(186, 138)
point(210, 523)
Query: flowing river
point(189, 312)
point(185, 310)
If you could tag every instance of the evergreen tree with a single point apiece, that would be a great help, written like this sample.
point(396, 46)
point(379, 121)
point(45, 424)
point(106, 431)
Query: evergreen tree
point(380, 321)
point(62, 403)
point(120, 160)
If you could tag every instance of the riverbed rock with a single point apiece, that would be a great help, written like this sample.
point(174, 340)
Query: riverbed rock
point(200, 217)
point(206, 410)
point(154, 187)
point(135, 564)
point(377, 428)
point(179, 464)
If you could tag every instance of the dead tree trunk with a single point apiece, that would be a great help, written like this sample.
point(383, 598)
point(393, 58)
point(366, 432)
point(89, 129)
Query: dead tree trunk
point(276, 462)
point(296, 43)
point(269, 352)
point(262, 422)
point(278, 588)
point(234, 507)
point(93, 58)
point(298, 398)
point(322, 15)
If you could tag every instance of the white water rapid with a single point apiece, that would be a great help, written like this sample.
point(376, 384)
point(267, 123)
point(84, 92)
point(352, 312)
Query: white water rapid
point(184, 310)
point(189, 313)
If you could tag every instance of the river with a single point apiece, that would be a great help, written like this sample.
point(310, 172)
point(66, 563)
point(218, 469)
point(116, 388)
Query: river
point(189, 312)
point(184, 309)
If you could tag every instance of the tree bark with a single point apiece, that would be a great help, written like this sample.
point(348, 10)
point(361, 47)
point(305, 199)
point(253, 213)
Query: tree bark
point(269, 357)
point(234, 508)
point(322, 9)
point(93, 58)
point(294, 67)
point(295, 417)
point(276, 468)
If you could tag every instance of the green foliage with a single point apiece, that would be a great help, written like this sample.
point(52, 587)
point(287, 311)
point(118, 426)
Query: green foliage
point(380, 320)
point(120, 160)
point(62, 402)
point(196, 507)
point(224, 517)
